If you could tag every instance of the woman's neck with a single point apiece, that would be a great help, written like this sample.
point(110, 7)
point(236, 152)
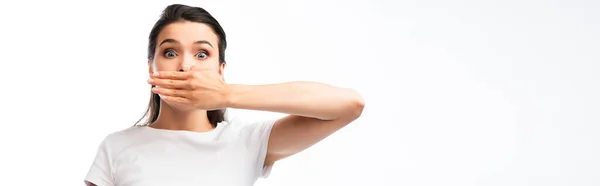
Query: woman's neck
point(175, 118)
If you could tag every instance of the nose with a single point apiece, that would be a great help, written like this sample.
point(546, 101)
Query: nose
point(187, 63)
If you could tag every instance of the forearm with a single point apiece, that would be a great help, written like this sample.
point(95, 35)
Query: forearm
point(308, 99)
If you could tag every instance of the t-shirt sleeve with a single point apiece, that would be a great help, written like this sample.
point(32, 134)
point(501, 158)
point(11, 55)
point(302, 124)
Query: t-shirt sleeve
point(100, 172)
point(259, 141)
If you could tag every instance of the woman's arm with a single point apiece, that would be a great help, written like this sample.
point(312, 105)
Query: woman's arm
point(316, 111)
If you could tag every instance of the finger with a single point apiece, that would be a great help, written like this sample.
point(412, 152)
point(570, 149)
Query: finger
point(175, 99)
point(170, 92)
point(171, 75)
point(170, 83)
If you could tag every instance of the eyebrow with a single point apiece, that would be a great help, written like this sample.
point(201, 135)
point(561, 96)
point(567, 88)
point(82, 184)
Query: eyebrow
point(177, 42)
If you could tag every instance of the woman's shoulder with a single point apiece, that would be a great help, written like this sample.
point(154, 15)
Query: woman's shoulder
point(120, 138)
point(126, 132)
point(249, 128)
point(248, 124)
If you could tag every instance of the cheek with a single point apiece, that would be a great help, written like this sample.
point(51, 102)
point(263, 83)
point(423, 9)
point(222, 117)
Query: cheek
point(162, 65)
point(211, 63)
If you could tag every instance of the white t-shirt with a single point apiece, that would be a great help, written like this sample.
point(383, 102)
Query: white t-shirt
point(233, 154)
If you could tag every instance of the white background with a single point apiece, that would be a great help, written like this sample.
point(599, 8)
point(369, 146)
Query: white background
point(458, 93)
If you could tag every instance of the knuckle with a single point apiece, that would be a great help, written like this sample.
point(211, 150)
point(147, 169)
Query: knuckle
point(177, 93)
point(195, 75)
point(193, 84)
point(192, 95)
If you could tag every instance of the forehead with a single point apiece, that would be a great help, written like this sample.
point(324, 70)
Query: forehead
point(187, 33)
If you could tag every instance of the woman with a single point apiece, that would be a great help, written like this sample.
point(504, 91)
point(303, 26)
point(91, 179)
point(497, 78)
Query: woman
point(186, 141)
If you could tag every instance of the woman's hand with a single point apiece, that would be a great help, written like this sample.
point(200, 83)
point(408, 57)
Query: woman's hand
point(203, 88)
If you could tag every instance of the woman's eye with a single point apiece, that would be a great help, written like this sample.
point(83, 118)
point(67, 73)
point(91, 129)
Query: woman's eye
point(202, 55)
point(170, 54)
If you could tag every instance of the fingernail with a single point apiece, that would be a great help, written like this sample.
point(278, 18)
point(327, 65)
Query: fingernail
point(150, 80)
point(155, 74)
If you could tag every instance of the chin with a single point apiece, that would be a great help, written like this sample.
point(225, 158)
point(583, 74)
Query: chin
point(178, 106)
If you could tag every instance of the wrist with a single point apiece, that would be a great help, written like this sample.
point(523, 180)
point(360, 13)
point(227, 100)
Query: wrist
point(232, 95)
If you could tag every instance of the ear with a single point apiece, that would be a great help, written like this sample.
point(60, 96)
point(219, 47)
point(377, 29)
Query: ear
point(222, 68)
point(150, 70)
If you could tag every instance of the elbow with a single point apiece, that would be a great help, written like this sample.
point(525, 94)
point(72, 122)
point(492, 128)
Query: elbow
point(356, 105)
point(359, 105)
point(347, 107)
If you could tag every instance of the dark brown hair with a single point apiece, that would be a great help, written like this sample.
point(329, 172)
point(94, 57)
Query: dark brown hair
point(177, 13)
